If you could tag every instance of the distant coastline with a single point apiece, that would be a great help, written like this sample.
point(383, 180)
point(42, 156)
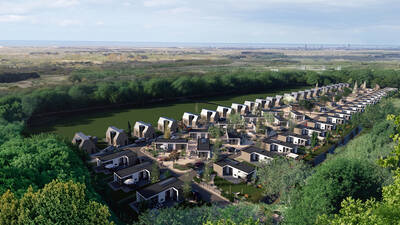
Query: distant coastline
point(303, 46)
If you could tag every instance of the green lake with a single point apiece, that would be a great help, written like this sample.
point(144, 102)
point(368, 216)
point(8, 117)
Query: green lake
point(96, 123)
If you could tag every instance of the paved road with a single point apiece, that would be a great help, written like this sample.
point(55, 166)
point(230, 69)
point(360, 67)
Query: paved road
point(209, 197)
point(206, 195)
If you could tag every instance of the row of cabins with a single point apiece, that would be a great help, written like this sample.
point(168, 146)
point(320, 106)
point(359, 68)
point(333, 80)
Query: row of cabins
point(129, 171)
point(287, 143)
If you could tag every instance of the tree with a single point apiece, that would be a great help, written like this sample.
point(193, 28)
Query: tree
point(269, 117)
point(238, 214)
point(278, 176)
point(167, 133)
point(187, 186)
point(215, 132)
point(291, 125)
point(306, 105)
point(155, 173)
point(57, 201)
point(129, 129)
point(329, 185)
point(207, 173)
point(324, 99)
point(356, 211)
point(314, 139)
point(235, 120)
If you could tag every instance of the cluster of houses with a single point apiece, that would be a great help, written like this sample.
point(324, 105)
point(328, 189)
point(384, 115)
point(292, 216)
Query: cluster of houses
point(286, 126)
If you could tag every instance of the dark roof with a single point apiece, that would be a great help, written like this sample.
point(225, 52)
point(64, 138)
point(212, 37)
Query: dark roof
point(111, 156)
point(301, 126)
point(235, 164)
point(133, 169)
point(296, 113)
point(274, 141)
point(295, 135)
point(198, 130)
point(280, 118)
point(203, 144)
point(180, 140)
point(260, 151)
point(233, 135)
point(158, 187)
point(324, 122)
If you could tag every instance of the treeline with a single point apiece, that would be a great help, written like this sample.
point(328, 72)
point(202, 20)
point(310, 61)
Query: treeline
point(143, 91)
point(80, 95)
point(15, 77)
point(23, 105)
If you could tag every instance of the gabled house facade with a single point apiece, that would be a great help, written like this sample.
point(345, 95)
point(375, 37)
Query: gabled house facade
point(84, 142)
point(143, 130)
point(224, 112)
point(209, 116)
point(116, 137)
point(190, 119)
point(240, 108)
point(165, 123)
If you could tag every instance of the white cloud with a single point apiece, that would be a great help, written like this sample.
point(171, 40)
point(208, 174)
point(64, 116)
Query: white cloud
point(11, 18)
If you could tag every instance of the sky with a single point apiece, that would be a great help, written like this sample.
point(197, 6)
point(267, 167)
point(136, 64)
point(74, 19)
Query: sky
point(203, 21)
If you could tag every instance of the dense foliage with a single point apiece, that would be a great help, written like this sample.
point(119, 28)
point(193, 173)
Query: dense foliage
point(235, 214)
point(329, 185)
point(28, 168)
point(142, 91)
point(56, 203)
point(280, 175)
point(356, 211)
point(36, 161)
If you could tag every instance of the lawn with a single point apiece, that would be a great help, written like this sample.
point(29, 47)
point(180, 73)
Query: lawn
point(254, 193)
point(96, 123)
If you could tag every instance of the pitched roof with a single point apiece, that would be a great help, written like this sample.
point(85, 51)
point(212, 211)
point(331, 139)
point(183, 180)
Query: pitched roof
point(180, 140)
point(198, 130)
point(235, 164)
point(111, 156)
point(295, 135)
point(260, 151)
point(134, 169)
point(82, 136)
point(158, 187)
point(274, 141)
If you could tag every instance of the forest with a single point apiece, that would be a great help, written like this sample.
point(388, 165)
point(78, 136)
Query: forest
point(22, 105)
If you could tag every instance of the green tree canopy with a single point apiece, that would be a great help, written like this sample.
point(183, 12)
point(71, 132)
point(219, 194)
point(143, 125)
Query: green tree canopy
point(331, 183)
point(57, 203)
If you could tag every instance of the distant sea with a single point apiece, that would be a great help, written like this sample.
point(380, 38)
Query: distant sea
point(311, 46)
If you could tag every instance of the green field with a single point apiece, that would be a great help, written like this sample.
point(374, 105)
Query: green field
point(95, 124)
